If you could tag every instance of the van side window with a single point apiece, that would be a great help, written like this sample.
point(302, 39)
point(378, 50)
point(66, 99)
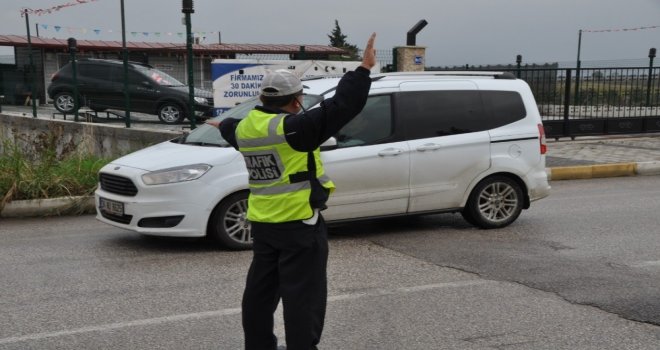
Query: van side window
point(505, 107)
point(441, 113)
point(372, 125)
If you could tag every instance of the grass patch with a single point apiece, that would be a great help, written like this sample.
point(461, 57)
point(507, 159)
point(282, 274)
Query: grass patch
point(26, 175)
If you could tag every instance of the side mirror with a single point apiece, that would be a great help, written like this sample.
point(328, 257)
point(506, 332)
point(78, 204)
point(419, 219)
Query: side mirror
point(329, 144)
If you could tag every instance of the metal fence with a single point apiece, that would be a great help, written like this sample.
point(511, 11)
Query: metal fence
point(573, 102)
point(594, 101)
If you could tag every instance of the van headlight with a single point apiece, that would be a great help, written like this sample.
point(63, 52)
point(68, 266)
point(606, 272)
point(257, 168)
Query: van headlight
point(174, 175)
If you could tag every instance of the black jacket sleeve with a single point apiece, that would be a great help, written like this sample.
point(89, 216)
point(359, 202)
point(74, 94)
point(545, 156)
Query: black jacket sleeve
point(307, 131)
point(228, 131)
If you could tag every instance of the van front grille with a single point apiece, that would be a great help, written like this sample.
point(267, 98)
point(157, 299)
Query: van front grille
point(117, 184)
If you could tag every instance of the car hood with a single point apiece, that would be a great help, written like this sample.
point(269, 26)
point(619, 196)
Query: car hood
point(170, 154)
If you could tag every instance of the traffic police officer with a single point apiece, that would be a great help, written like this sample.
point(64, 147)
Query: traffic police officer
point(288, 188)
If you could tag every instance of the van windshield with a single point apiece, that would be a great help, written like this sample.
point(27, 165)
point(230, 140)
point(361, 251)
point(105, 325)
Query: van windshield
point(207, 135)
point(159, 77)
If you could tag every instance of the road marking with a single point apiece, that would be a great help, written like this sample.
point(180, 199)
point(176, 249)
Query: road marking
point(233, 311)
point(119, 325)
point(655, 263)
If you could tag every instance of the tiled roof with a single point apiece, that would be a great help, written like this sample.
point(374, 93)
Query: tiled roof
point(38, 42)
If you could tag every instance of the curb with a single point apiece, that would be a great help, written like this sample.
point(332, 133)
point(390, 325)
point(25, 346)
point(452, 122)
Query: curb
point(49, 207)
point(603, 170)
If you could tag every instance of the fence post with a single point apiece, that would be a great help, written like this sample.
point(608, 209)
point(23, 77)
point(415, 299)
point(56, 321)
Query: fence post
point(567, 101)
point(73, 46)
point(650, 82)
point(518, 62)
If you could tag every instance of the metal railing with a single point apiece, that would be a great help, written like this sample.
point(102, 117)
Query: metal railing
point(572, 102)
point(597, 101)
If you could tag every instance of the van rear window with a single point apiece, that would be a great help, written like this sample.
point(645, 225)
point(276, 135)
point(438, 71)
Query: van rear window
point(449, 112)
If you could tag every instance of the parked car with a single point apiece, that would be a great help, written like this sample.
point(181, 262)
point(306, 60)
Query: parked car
point(424, 143)
point(101, 87)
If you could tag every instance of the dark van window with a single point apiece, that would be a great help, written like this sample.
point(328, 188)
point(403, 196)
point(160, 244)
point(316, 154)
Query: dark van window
point(505, 107)
point(440, 113)
point(372, 125)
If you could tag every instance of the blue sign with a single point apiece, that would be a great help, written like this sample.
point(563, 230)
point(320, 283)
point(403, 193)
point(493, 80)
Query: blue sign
point(418, 60)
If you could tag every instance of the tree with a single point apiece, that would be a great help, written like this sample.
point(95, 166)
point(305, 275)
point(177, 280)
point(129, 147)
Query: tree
point(338, 39)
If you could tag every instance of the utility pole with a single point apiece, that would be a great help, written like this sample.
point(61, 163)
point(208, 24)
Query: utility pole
point(650, 81)
point(124, 50)
point(31, 75)
point(577, 70)
point(187, 9)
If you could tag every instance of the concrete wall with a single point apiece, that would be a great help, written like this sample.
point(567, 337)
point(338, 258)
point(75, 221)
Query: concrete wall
point(108, 141)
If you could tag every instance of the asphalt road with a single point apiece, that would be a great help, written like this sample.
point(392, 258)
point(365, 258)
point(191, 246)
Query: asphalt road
point(592, 242)
point(577, 271)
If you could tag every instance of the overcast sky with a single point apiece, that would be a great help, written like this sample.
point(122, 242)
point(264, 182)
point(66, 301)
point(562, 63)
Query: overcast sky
point(458, 31)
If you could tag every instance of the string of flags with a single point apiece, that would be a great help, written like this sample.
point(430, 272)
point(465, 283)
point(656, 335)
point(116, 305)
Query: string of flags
point(135, 34)
point(40, 12)
point(619, 30)
point(85, 31)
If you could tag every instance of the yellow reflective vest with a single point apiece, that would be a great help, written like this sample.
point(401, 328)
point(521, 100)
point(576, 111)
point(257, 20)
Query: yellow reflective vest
point(279, 180)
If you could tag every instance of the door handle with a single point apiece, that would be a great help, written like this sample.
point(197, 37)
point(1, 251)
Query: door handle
point(428, 147)
point(390, 152)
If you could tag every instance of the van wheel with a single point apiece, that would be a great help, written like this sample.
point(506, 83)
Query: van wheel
point(64, 102)
point(495, 202)
point(229, 225)
point(171, 113)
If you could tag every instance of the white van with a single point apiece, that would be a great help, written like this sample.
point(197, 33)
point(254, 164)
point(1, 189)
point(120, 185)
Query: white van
point(427, 142)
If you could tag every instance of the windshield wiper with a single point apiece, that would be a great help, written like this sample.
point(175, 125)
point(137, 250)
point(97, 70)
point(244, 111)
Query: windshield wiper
point(204, 144)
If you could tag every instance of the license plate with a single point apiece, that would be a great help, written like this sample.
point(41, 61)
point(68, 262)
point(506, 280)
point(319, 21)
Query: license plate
point(111, 207)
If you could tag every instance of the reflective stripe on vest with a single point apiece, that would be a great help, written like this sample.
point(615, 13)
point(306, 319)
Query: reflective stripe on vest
point(272, 138)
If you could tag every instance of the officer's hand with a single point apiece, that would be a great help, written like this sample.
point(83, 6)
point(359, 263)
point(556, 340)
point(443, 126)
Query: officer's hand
point(369, 58)
point(215, 123)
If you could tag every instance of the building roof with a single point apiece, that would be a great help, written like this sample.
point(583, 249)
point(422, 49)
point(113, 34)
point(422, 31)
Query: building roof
point(217, 49)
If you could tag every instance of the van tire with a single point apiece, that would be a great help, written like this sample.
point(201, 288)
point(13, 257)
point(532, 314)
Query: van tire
point(228, 225)
point(171, 113)
point(495, 202)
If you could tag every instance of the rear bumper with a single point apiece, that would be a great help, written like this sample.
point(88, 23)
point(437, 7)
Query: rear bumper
point(539, 187)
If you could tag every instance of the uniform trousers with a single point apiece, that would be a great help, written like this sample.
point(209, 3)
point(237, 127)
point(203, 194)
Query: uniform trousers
point(289, 262)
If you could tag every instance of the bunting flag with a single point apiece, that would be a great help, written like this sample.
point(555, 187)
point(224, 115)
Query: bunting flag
point(618, 30)
point(40, 12)
point(135, 34)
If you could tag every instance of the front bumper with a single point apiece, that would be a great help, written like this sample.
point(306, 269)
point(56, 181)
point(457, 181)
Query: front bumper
point(180, 209)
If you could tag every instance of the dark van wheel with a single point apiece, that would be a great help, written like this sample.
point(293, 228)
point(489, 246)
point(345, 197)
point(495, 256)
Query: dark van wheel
point(64, 102)
point(495, 202)
point(171, 113)
point(229, 225)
